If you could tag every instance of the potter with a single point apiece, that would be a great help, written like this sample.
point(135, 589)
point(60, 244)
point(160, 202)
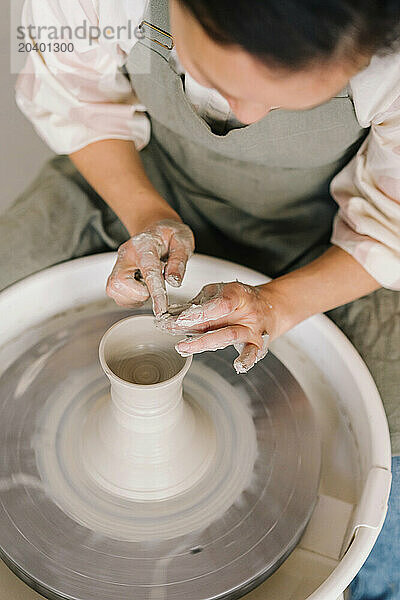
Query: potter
point(259, 132)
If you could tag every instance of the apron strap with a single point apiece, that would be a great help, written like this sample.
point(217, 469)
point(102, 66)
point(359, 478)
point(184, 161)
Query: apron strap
point(154, 30)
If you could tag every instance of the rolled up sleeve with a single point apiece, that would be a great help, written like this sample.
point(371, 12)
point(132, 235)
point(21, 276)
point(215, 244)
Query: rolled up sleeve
point(79, 97)
point(367, 191)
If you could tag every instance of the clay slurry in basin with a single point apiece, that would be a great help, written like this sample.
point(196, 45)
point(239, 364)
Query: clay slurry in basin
point(148, 443)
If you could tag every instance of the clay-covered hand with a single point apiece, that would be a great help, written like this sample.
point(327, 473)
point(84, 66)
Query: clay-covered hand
point(225, 314)
point(147, 260)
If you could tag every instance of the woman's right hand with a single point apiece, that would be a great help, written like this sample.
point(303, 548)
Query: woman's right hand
point(147, 260)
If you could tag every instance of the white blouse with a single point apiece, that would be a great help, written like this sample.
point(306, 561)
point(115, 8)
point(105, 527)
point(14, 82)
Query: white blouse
point(79, 97)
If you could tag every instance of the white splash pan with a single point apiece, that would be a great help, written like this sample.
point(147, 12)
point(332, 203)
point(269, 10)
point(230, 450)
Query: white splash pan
point(356, 475)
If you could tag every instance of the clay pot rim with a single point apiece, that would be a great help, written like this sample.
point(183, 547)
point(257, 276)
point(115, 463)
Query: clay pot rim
point(139, 386)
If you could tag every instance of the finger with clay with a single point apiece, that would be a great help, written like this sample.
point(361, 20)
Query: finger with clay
point(225, 314)
point(147, 260)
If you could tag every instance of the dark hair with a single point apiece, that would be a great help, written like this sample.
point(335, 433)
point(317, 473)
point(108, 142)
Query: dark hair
point(295, 33)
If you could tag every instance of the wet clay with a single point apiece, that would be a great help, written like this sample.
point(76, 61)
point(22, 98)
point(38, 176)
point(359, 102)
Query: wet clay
point(147, 444)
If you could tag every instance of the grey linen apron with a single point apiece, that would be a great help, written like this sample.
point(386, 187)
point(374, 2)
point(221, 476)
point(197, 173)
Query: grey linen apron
point(258, 195)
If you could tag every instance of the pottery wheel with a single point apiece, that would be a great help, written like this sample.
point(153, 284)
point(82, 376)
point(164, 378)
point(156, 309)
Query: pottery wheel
point(105, 547)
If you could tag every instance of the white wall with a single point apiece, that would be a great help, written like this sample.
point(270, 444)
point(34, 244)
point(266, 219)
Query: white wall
point(21, 151)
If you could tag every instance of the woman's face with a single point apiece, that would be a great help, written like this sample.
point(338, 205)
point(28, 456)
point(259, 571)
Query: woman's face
point(251, 88)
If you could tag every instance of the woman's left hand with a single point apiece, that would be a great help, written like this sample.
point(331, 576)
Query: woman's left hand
point(225, 314)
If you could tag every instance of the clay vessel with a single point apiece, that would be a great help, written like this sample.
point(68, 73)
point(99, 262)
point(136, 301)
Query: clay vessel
point(146, 441)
